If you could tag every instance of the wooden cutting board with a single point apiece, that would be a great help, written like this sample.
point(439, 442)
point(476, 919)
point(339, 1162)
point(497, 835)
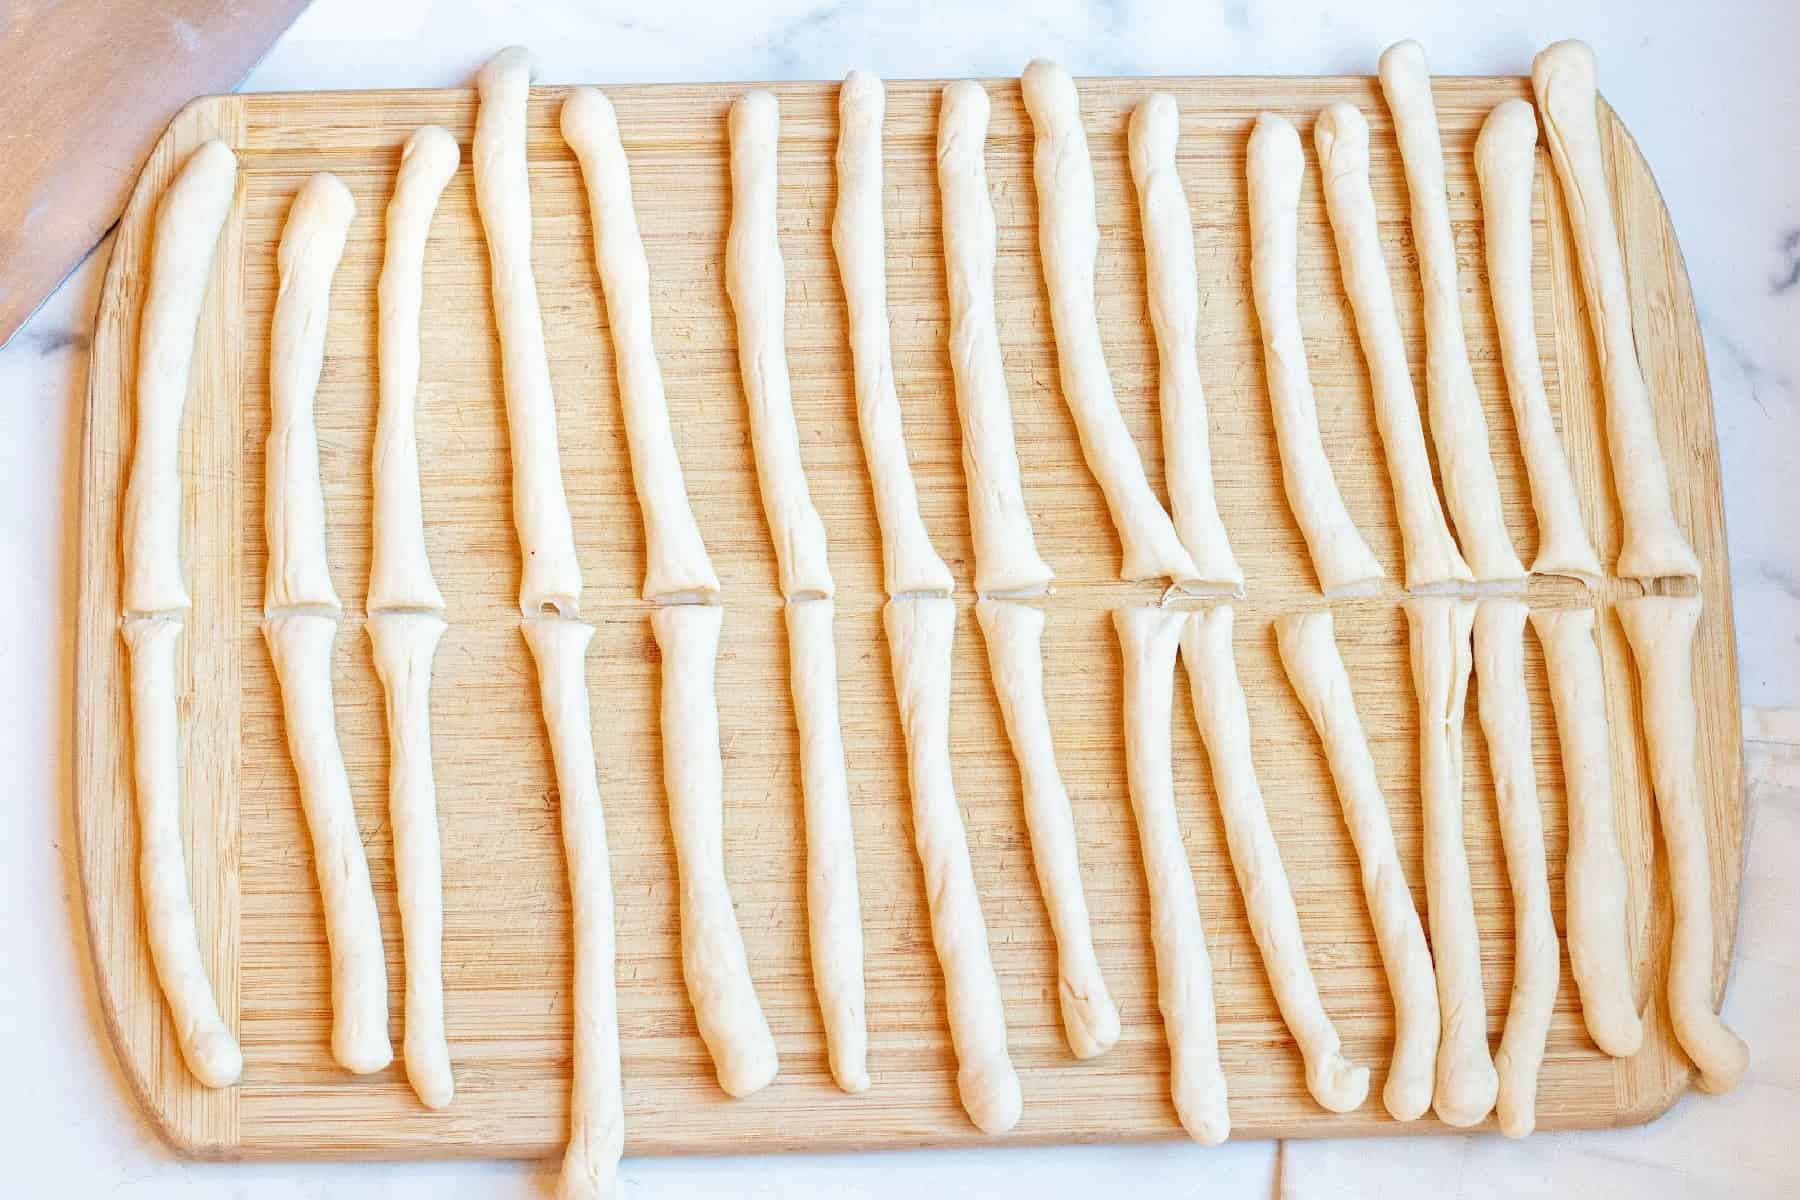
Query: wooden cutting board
point(506, 960)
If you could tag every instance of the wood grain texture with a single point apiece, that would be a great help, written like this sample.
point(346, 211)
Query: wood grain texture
point(505, 904)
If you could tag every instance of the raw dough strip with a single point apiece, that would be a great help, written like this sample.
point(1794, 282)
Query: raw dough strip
point(1341, 558)
point(596, 1105)
point(1174, 293)
point(911, 566)
point(207, 1046)
point(1458, 427)
point(1006, 556)
point(551, 579)
point(1224, 722)
point(1341, 137)
point(1068, 241)
point(188, 221)
point(712, 949)
point(1661, 632)
point(1506, 723)
point(1594, 871)
point(1562, 76)
point(757, 285)
point(676, 565)
point(919, 633)
point(300, 645)
point(1310, 657)
point(1505, 160)
point(1148, 641)
point(1014, 635)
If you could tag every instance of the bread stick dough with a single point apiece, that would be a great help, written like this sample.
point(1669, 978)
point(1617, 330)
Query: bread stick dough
point(1341, 137)
point(1458, 427)
point(188, 220)
point(1661, 632)
point(1174, 293)
point(676, 565)
point(551, 579)
point(1342, 560)
point(1006, 556)
point(910, 565)
point(1224, 722)
point(1014, 636)
point(1310, 657)
point(1562, 75)
point(1505, 161)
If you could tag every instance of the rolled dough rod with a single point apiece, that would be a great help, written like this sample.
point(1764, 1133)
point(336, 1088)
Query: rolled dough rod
point(1224, 722)
point(551, 579)
point(1068, 241)
point(300, 645)
point(596, 1106)
point(911, 566)
point(1310, 657)
point(1594, 871)
point(312, 242)
point(757, 285)
point(676, 565)
point(1148, 640)
point(399, 570)
point(712, 950)
point(207, 1046)
point(1006, 556)
point(919, 633)
point(1505, 160)
point(1174, 293)
point(188, 220)
point(1341, 137)
point(1562, 76)
point(1014, 636)
point(1661, 632)
point(1506, 723)
point(1458, 427)
point(1342, 560)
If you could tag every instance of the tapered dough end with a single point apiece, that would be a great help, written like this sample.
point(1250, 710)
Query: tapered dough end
point(861, 96)
point(1274, 153)
point(591, 1172)
point(511, 68)
point(1155, 129)
point(1403, 70)
point(1507, 138)
point(1090, 1021)
point(1407, 1096)
point(1516, 1106)
point(754, 116)
point(1570, 66)
point(361, 1050)
point(1338, 1084)
point(1465, 1097)
point(1049, 93)
point(1205, 1111)
point(1341, 138)
point(965, 108)
point(433, 152)
point(588, 117)
point(750, 1070)
point(214, 1058)
point(850, 1071)
point(323, 199)
point(1727, 1059)
point(1610, 1019)
point(990, 1093)
point(428, 1070)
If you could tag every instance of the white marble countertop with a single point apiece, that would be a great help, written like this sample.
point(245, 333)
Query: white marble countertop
point(1709, 90)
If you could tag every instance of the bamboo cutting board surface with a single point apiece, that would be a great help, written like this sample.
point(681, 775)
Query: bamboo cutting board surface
point(506, 931)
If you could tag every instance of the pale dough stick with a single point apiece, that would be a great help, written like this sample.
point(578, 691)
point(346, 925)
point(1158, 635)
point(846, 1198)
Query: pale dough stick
point(911, 566)
point(1505, 160)
point(188, 220)
point(1006, 556)
point(1594, 871)
point(596, 1106)
point(1310, 657)
point(300, 645)
point(1148, 641)
point(1562, 75)
point(403, 644)
point(312, 242)
point(1341, 137)
point(1224, 722)
point(919, 633)
point(552, 577)
point(1458, 426)
point(1506, 723)
point(1173, 286)
point(755, 280)
point(1342, 560)
point(712, 950)
point(1661, 632)
point(1014, 635)
point(1068, 241)
point(207, 1047)
point(399, 570)
point(833, 909)
point(676, 565)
